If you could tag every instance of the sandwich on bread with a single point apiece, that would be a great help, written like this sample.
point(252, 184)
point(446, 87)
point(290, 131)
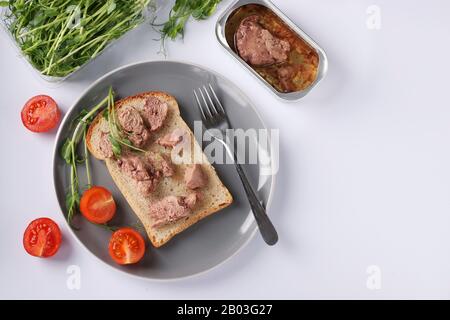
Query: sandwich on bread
point(167, 196)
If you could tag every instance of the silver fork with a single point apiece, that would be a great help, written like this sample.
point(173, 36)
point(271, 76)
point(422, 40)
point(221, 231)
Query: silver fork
point(214, 116)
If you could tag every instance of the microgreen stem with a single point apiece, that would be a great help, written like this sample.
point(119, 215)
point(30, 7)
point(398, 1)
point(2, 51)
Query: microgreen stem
point(86, 160)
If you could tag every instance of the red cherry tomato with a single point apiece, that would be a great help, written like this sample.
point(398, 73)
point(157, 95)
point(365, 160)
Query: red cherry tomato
point(97, 205)
point(42, 238)
point(40, 114)
point(126, 246)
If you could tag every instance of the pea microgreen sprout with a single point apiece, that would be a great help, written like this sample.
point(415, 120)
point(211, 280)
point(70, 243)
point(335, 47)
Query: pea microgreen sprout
point(59, 36)
point(180, 14)
point(69, 149)
point(69, 154)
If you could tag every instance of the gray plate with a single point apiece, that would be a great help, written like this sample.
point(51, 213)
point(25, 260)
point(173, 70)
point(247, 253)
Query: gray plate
point(214, 239)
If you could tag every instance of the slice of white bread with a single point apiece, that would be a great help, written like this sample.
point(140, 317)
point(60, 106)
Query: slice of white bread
point(214, 197)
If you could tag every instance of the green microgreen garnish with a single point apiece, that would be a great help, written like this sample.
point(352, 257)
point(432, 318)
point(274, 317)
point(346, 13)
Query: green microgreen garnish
point(69, 150)
point(117, 136)
point(71, 157)
point(59, 36)
point(180, 14)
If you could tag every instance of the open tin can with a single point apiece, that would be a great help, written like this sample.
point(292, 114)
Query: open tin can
point(305, 64)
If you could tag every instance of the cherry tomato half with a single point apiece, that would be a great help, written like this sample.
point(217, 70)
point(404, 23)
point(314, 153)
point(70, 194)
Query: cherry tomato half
point(97, 205)
point(40, 114)
point(42, 238)
point(126, 246)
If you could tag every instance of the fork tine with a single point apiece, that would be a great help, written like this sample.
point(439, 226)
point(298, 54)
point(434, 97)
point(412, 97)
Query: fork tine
point(221, 108)
point(209, 112)
point(199, 105)
point(211, 102)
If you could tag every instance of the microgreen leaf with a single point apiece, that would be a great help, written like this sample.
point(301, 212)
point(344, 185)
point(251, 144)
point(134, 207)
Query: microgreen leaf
point(72, 203)
point(116, 148)
point(66, 151)
point(126, 141)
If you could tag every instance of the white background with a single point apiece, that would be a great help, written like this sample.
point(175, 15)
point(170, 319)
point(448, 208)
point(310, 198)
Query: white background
point(364, 177)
